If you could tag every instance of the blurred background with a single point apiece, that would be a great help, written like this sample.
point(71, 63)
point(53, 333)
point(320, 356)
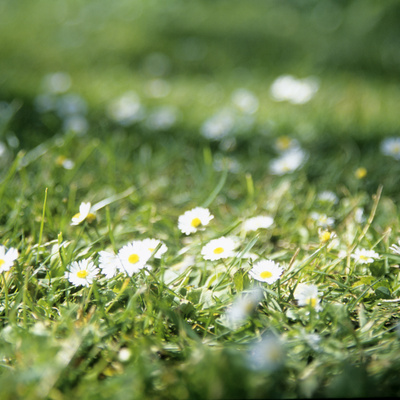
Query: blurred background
point(325, 72)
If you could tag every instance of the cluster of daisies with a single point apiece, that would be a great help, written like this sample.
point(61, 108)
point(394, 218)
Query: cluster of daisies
point(136, 255)
point(133, 257)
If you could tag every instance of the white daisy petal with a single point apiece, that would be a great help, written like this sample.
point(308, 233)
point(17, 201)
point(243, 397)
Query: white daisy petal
point(252, 224)
point(307, 295)
point(266, 271)
point(7, 258)
point(151, 245)
point(364, 256)
point(109, 264)
point(133, 257)
point(81, 273)
point(84, 213)
point(218, 248)
point(193, 220)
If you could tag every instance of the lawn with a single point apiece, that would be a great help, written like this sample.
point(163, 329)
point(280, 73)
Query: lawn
point(199, 199)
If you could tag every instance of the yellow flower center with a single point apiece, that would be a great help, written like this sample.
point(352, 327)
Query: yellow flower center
point(266, 274)
point(283, 143)
point(312, 302)
point(195, 222)
point(360, 173)
point(286, 167)
point(362, 257)
point(2, 262)
point(77, 215)
point(82, 274)
point(218, 250)
point(133, 258)
point(60, 160)
point(90, 217)
point(325, 236)
point(151, 249)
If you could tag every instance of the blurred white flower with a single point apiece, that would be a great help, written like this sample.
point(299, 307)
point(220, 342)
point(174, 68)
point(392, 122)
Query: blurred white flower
point(359, 215)
point(65, 162)
point(243, 306)
point(84, 213)
point(285, 143)
point(322, 219)
point(81, 273)
point(296, 91)
point(391, 147)
point(219, 125)
point(193, 220)
point(162, 118)
point(245, 101)
point(313, 340)
point(7, 258)
point(76, 123)
point(267, 355)
point(395, 248)
point(364, 256)
point(218, 248)
point(109, 264)
point(57, 82)
point(222, 163)
point(288, 162)
point(307, 295)
point(126, 109)
point(124, 354)
point(266, 271)
point(252, 224)
point(328, 196)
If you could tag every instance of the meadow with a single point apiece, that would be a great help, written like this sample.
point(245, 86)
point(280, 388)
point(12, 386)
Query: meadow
point(199, 200)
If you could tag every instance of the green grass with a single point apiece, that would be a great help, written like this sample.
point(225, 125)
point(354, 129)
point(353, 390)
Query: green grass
point(162, 333)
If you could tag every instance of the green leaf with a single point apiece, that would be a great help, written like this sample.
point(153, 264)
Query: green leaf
point(382, 292)
point(238, 281)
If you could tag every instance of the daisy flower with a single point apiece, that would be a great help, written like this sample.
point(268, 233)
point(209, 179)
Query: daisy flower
point(243, 307)
point(81, 272)
point(252, 224)
point(285, 143)
point(307, 295)
point(194, 219)
point(324, 236)
point(151, 245)
point(133, 257)
point(109, 264)
point(218, 248)
point(266, 271)
point(7, 258)
point(322, 219)
point(364, 256)
point(328, 196)
point(267, 355)
point(245, 101)
point(296, 91)
point(391, 147)
point(395, 248)
point(84, 213)
point(288, 162)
